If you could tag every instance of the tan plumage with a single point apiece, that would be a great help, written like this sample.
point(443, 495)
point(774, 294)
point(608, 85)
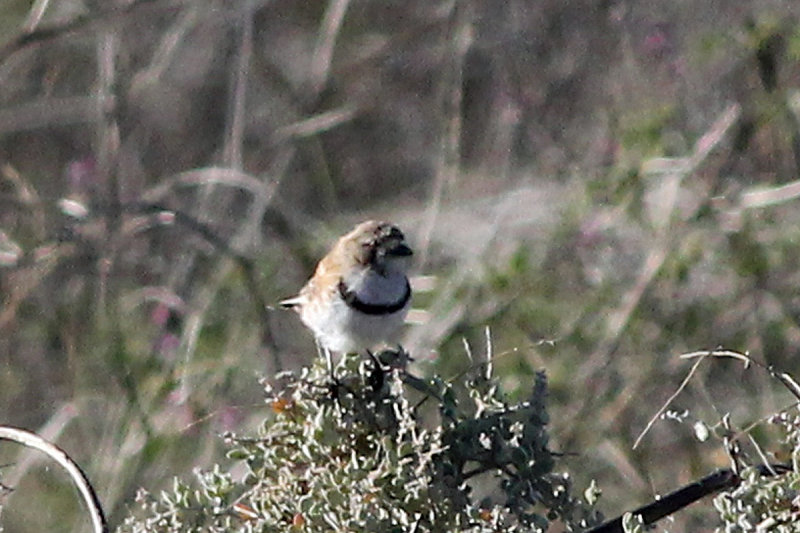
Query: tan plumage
point(359, 294)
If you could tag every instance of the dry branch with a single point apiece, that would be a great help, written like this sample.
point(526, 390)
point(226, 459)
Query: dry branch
point(32, 440)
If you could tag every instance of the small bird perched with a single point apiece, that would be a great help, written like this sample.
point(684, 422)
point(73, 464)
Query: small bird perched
point(359, 294)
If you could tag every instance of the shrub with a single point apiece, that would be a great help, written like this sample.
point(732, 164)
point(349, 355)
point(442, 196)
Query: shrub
point(380, 450)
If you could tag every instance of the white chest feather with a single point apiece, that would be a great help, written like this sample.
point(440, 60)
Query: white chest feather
point(349, 327)
point(372, 288)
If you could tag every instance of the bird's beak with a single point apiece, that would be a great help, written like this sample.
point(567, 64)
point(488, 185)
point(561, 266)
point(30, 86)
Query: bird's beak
point(400, 250)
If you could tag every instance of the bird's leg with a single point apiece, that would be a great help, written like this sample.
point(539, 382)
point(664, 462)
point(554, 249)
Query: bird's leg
point(376, 377)
point(325, 352)
point(329, 362)
point(334, 384)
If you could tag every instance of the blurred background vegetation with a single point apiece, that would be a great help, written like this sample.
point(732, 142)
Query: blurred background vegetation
point(603, 184)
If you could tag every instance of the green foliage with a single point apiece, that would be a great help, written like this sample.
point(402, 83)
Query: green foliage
point(358, 455)
point(793, 47)
point(761, 503)
point(644, 132)
point(633, 523)
point(764, 503)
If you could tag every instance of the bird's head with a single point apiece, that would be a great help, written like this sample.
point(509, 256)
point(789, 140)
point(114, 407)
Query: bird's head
point(380, 245)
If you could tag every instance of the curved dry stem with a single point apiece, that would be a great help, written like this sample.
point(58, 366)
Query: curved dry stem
point(32, 440)
point(786, 379)
point(33, 34)
point(207, 176)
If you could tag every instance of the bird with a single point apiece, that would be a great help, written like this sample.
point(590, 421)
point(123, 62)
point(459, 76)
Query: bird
point(359, 294)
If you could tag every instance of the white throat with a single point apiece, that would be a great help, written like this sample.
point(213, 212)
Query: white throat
point(374, 289)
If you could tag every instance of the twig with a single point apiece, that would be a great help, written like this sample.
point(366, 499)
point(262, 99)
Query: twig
point(316, 124)
point(52, 111)
point(31, 440)
point(787, 380)
point(326, 40)
point(674, 501)
point(35, 15)
point(234, 138)
point(489, 352)
point(667, 403)
point(759, 197)
point(105, 17)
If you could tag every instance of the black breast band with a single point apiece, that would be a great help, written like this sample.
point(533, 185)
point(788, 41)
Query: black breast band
point(351, 299)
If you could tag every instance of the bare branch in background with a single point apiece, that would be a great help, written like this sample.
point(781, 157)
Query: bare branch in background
point(108, 16)
point(460, 37)
point(326, 41)
point(31, 440)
